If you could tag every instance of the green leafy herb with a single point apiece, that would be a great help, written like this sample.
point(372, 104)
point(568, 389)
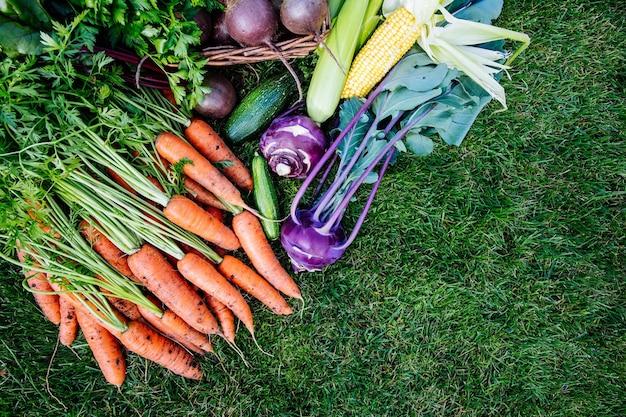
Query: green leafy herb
point(163, 31)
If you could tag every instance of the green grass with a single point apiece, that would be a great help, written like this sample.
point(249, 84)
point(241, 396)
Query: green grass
point(488, 280)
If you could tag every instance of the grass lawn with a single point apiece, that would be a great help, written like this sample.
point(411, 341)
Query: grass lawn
point(488, 280)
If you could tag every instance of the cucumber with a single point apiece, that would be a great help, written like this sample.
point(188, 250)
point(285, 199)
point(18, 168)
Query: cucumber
point(257, 109)
point(264, 194)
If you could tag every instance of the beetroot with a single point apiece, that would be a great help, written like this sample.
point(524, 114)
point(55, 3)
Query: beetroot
point(220, 101)
point(254, 23)
point(306, 17)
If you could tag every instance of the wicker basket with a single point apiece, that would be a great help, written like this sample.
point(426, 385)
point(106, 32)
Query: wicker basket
point(295, 47)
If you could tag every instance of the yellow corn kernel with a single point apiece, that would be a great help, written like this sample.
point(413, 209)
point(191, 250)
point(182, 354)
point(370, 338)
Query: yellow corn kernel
point(391, 40)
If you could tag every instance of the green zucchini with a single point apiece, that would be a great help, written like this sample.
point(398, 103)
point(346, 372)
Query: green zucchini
point(265, 197)
point(257, 109)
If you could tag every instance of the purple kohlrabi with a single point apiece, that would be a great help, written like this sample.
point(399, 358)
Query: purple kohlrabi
point(309, 247)
point(292, 145)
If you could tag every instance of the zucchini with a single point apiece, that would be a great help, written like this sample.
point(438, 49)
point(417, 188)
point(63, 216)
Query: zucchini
point(264, 194)
point(257, 109)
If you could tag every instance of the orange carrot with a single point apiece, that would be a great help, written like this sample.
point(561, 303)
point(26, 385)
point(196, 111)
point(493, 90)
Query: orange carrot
point(68, 327)
point(38, 282)
point(185, 213)
point(105, 347)
point(248, 280)
point(177, 329)
point(107, 249)
point(206, 140)
point(198, 168)
point(126, 307)
point(44, 227)
point(255, 244)
point(162, 280)
point(202, 274)
point(156, 323)
point(120, 181)
point(215, 212)
point(48, 303)
point(224, 315)
point(80, 303)
point(148, 343)
point(195, 191)
point(218, 214)
point(200, 194)
point(140, 338)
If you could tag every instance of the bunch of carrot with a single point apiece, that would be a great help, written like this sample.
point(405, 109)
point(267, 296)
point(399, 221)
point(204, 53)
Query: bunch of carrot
point(127, 217)
point(195, 257)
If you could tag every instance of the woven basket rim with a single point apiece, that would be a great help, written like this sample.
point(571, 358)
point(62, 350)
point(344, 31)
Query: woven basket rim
point(293, 47)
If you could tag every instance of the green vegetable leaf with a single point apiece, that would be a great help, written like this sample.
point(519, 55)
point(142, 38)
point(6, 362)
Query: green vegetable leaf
point(417, 72)
point(454, 112)
point(28, 12)
point(483, 11)
point(439, 99)
point(351, 142)
point(119, 12)
point(49, 42)
point(390, 103)
point(17, 39)
point(150, 31)
point(419, 144)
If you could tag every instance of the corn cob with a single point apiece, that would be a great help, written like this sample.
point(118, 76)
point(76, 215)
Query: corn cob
point(391, 40)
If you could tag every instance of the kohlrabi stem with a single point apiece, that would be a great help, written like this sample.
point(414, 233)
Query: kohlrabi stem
point(368, 203)
point(325, 175)
point(340, 179)
point(333, 147)
point(393, 122)
point(338, 212)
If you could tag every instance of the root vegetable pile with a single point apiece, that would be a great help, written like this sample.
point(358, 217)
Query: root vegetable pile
point(129, 219)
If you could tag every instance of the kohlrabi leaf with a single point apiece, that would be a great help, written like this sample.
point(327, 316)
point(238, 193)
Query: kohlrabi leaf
point(418, 143)
point(400, 146)
point(371, 178)
point(416, 72)
point(353, 139)
point(462, 118)
point(483, 11)
point(454, 112)
point(372, 151)
point(389, 103)
point(415, 81)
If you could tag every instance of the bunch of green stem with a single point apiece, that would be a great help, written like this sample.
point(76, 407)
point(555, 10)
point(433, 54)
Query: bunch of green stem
point(71, 264)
